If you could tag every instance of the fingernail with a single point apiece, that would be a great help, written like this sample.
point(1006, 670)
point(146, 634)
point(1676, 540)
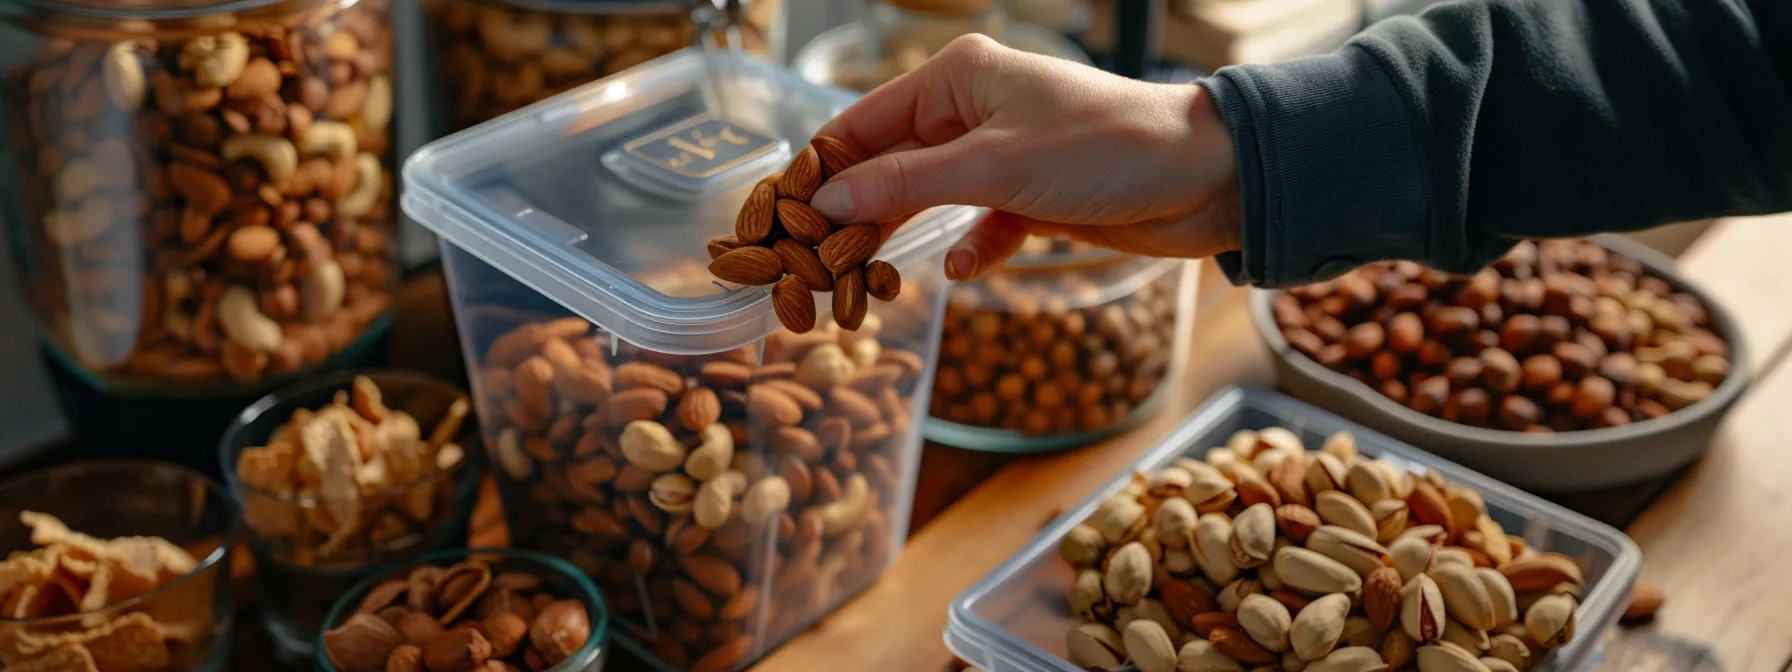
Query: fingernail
point(834, 201)
point(961, 264)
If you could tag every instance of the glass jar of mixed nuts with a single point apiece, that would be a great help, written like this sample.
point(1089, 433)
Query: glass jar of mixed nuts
point(199, 192)
point(498, 55)
point(1066, 344)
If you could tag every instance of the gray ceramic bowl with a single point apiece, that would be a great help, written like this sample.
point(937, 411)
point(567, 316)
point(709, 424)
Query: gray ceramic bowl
point(1564, 462)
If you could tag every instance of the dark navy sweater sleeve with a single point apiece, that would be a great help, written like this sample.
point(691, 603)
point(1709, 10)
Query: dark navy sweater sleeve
point(1446, 137)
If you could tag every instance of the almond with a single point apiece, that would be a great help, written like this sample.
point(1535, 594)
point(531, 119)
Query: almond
point(1541, 572)
point(882, 281)
point(836, 154)
point(635, 375)
point(699, 409)
point(794, 303)
point(725, 373)
point(849, 247)
point(849, 299)
point(1289, 478)
point(1381, 597)
point(1206, 623)
point(721, 245)
point(1296, 521)
point(1427, 506)
point(799, 393)
point(1645, 600)
point(804, 224)
point(748, 266)
point(1238, 645)
point(754, 222)
point(800, 261)
point(631, 405)
point(1185, 603)
point(799, 443)
point(803, 176)
point(714, 574)
point(773, 406)
point(857, 408)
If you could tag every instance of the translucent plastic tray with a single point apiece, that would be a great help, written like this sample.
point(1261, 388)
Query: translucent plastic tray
point(1014, 619)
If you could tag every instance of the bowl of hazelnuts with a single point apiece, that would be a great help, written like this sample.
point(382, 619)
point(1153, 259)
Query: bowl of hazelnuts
point(1566, 365)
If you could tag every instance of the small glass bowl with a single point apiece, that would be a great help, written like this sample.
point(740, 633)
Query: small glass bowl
point(108, 499)
point(297, 587)
point(557, 576)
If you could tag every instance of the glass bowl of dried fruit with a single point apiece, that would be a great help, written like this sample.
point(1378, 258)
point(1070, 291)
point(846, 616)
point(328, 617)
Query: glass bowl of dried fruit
point(115, 565)
point(340, 475)
point(469, 609)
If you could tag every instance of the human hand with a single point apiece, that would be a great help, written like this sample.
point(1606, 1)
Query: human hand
point(1053, 147)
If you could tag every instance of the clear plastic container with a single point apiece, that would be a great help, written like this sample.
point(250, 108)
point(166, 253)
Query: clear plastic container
point(198, 194)
point(1063, 346)
point(499, 55)
point(615, 378)
point(1014, 619)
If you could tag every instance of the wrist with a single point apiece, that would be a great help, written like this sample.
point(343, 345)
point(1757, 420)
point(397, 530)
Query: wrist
point(1215, 165)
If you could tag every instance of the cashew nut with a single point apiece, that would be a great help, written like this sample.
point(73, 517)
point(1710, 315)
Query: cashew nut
point(122, 75)
point(649, 445)
point(77, 179)
point(376, 109)
point(765, 501)
point(276, 154)
point(511, 457)
point(513, 36)
point(215, 60)
point(713, 456)
point(368, 181)
point(839, 515)
point(330, 138)
point(322, 292)
point(73, 227)
point(243, 322)
point(715, 499)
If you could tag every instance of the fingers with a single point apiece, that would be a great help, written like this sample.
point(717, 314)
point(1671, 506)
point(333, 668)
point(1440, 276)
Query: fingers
point(989, 244)
point(898, 183)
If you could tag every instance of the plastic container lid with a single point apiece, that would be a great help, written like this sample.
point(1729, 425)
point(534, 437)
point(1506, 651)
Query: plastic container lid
point(1003, 623)
point(603, 198)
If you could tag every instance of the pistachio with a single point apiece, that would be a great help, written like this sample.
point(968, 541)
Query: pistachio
point(1128, 577)
point(1488, 538)
point(1465, 505)
point(1358, 631)
point(1233, 593)
point(1541, 571)
point(1550, 621)
point(1168, 483)
point(1497, 665)
point(1086, 592)
point(1209, 490)
point(1422, 609)
point(1447, 657)
point(1242, 442)
point(1095, 646)
point(1336, 508)
point(672, 493)
point(1201, 656)
point(1175, 523)
point(1212, 547)
point(1435, 535)
point(1266, 621)
point(1279, 439)
point(1500, 595)
point(1155, 611)
point(1310, 572)
point(1367, 482)
point(1400, 481)
point(1082, 545)
point(1341, 445)
point(1350, 659)
point(1293, 663)
point(1149, 646)
point(1117, 519)
point(1325, 473)
point(1471, 640)
point(1179, 560)
point(1390, 519)
point(1318, 627)
point(1465, 597)
point(1453, 555)
point(1354, 550)
point(1253, 535)
point(1412, 556)
point(1266, 572)
point(1511, 649)
point(1397, 648)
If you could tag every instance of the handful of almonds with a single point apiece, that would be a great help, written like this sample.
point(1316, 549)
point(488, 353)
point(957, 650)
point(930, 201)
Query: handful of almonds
point(458, 619)
point(779, 240)
point(1268, 556)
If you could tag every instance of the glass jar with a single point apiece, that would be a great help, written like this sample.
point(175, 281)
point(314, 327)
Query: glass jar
point(726, 482)
point(1064, 345)
point(201, 193)
point(499, 55)
point(862, 55)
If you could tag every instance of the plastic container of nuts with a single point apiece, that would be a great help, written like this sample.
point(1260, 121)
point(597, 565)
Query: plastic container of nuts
point(725, 481)
point(1567, 365)
point(1023, 615)
point(499, 55)
point(1061, 347)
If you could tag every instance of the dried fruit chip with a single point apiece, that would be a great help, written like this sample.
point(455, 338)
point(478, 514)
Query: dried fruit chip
point(66, 658)
point(132, 643)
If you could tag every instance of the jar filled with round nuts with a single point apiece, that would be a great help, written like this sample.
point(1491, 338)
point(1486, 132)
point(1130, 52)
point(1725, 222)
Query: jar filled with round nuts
point(499, 55)
point(202, 195)
point(1063, 346)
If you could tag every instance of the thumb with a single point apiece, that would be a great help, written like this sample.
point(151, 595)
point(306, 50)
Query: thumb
point(903, 182)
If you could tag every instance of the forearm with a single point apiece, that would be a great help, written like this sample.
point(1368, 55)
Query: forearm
point(1444, 138)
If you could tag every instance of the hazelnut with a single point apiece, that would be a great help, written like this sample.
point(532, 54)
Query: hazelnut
point(1455, 320)
point(1500, 370)
point(418, 628)
point(1519, 412)
point(1405, 333)
point(1541, 372)
point(361, 644)
point(1363, 340)
point(1592, 397)
point(560, 629)
point(1463, 371)
point(1519, 332)
point(457, 650)
point(1429, 395)
point(1305, 341)
point(406, 658)
point(506, 632)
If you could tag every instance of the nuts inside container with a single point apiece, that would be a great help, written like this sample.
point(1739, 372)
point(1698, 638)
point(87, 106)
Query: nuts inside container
point(206, 206)
point(1556, 336)
point(1052, 349)
point(1268, 555)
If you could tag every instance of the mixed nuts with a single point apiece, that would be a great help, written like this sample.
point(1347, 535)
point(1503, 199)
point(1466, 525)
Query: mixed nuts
point(464, 618)
point(1558, 335)
point(779, 240)
point(211, 206)
point(69, 584)
point(1267, 555)
point(1045, 353)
